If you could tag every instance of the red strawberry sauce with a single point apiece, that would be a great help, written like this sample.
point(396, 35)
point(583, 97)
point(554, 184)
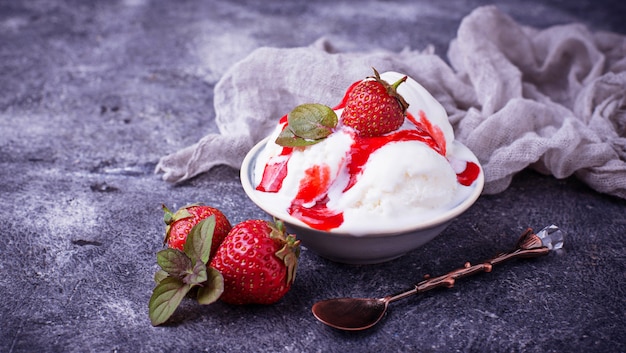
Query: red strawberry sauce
point(275, 172)
point(310, 203)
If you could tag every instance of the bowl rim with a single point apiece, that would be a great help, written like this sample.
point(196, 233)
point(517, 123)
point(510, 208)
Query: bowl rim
point(246, 176)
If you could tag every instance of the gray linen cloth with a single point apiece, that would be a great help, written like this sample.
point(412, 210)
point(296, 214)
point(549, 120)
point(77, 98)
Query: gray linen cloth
point(552, 99)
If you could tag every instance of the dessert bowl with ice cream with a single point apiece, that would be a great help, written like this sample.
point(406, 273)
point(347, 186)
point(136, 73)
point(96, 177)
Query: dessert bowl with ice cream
point(368, 180)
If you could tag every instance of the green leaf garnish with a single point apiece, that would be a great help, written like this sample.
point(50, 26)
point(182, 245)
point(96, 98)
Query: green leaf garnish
point(166, 298)
point(213, 288)
point(196, 275)
point(312, 121)
point(308, 124)
point(288, 139)
point(198, 243)
point(174, 262)
point(159, 276)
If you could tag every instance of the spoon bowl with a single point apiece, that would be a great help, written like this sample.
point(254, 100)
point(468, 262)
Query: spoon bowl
point(351, 314)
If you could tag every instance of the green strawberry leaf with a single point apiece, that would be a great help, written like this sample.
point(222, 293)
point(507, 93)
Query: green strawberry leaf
point(308, 124)
point(212, 289)
point(160, 275)
point(165, 298)
point(181, 214)
point(289, 254)
point(174, 262)
point(198, 243)
point(196, 275)
point(167, 215)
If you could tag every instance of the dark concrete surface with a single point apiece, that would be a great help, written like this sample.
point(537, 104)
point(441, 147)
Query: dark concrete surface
point(93, 93)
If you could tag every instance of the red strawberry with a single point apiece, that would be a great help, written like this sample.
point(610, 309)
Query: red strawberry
point(180, 223)
point(258, 262)
point(193, 234)
point(374, 107)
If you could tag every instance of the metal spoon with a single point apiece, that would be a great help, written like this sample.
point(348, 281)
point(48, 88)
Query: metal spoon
point(353, 314)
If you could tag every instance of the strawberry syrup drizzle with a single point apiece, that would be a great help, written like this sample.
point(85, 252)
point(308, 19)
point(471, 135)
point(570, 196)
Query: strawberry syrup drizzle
point(363, 147)
point(315, 183)
point(467, 176)
point(434, 132)
point(310, 203)
point(276, 169)
point(318, 216)
point(275, 172)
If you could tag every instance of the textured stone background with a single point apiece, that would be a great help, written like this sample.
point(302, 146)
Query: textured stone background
point(93, 93)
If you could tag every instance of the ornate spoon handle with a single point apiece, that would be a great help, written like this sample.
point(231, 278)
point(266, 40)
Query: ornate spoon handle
point(529, 245)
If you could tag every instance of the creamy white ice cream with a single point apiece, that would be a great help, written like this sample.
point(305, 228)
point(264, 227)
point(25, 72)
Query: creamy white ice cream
point(402, 181)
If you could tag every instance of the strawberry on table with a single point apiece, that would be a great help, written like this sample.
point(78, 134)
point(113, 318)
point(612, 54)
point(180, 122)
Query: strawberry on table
point(258, 262)
point(181, 222)
point(255, 264)
point(374, 107)
point(193, 234)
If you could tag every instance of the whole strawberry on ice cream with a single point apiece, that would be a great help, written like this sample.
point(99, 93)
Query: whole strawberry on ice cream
point(374, 107)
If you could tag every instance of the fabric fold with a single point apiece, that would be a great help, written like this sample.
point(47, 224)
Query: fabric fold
point(550, 99)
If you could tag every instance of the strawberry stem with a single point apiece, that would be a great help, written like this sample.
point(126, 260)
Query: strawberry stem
point(167, 215)
point(290, 252)
point(397, 83)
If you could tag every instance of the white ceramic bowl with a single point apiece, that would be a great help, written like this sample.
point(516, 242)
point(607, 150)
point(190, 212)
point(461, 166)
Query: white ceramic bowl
point(360, 249)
